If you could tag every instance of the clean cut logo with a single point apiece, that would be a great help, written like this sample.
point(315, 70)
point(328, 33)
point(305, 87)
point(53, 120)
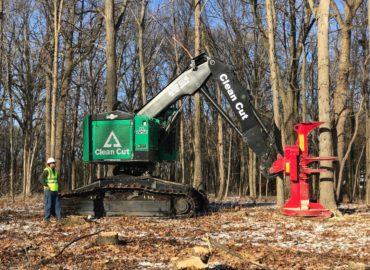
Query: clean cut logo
point(108, 143)
point(238, 106)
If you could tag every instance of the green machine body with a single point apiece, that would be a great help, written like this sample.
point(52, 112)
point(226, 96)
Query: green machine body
point(118, 137)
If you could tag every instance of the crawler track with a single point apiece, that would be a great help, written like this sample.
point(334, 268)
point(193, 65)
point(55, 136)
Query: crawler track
point(134, 196)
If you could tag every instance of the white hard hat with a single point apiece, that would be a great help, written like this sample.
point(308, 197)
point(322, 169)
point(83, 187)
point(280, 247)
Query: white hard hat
point(50, 160)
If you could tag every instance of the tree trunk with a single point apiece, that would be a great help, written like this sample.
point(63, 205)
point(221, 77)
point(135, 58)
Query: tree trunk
point(141, 25)
point(367, 176)
point(181, 119)
point(275, 84)
point(267, 188)
point(259, 185)
point(25, 171)
point(345, 157)
point(229, 166)
point(290, 98)
point(220, 149)
point(48, 91)
point(252, 174)
point(110, 51)
point(67, 77)
point(357, 176)
point(11, 139)
point(28, 153)
point(8, 88)
point(198, 179)
point(326, 144)
point(57, 21)
point(303, 92)
point(367, 70)
point(340, 94)
point(1, 37)
point(31, 163)
point(73, 133)
point(73, 168)
point(242, 168)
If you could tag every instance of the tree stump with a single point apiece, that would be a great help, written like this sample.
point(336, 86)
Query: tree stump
point(107, 238)
point(358, 266)
point(202, 252)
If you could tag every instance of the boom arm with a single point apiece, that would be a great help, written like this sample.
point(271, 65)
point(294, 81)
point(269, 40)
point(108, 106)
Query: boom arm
point(203, 68)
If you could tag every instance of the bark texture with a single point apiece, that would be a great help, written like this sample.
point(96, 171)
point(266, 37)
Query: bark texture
point(141, 26)
point(220, 149)
point(341, 92)
point(276, 85)
point(326, 143)
point(198, 178)
point(57, 12)
point(110, 52)
point(367, 70)
point(66, 81)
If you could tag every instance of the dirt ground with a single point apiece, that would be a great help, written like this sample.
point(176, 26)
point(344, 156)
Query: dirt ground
point(257, 232)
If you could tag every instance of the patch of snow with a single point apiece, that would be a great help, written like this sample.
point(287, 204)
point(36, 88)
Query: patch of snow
point(144, 265)
point(319, 228)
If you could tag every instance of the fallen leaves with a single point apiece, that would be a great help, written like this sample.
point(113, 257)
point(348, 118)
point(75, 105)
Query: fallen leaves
point(258, 233)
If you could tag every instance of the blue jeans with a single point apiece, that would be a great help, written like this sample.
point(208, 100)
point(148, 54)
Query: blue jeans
point(52, 204)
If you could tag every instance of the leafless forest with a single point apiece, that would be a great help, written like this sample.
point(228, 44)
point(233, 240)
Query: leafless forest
point(300, 60)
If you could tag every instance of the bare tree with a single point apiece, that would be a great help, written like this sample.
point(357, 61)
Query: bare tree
point(366, 81)
point(285, 90)
point(6, 82)
point(275, 83)
point(141, 25)
point(110, 51)
point(198, 178)
point(220, 149)
point(304, 90)
point(321, 13)
point(181, 119)
point(1, 37)
point(57, 13)
point(66, 81)
point(229, 164)
point(340, 95)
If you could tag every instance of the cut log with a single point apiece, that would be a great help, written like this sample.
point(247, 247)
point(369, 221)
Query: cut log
point(107, 238)
point(189, 263)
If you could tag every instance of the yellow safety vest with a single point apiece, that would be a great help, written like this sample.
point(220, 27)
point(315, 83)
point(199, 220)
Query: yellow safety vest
point(52, 180)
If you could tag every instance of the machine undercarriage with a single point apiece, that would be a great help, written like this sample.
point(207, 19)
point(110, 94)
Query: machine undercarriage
point(134, 196)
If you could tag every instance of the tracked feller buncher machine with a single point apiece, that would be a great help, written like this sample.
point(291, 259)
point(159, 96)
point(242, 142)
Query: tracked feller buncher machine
point(134, 143)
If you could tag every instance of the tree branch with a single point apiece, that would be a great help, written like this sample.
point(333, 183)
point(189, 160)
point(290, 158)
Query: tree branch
point(46, 261)
point(337, 13)
point(349, 148)
point(258, 18)
point(357, 4)
point(121, 15)
point(313, 8)
point(212, 243)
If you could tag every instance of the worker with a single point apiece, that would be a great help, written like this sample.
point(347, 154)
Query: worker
point(50, 180)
